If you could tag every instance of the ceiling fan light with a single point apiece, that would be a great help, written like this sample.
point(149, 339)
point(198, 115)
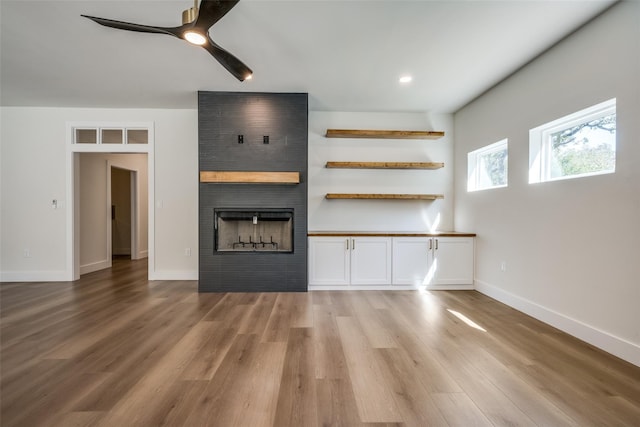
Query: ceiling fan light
point(195, 38)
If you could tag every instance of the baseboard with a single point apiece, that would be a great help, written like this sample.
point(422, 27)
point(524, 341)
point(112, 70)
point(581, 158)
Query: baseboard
point(95, 266)
point(173, 275)
point(34, 276)
point(603, 340)
point(140, 255)
point(121, 251)
point(362, 288)
point(449, 287)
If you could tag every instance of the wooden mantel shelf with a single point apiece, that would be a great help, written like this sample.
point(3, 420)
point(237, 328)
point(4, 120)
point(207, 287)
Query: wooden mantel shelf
point(384, 196)
point(383, 134)
point(385, 165)
point(249, 177)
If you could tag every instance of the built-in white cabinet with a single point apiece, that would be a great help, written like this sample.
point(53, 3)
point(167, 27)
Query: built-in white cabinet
point(451, 263)
point(411, 259)
point(344, 261)
point(329, 261)
point(435, 262)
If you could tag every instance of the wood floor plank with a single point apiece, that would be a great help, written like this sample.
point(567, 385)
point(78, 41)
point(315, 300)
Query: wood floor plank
point(459, 410)
point(78, 419)
point(371, 322)
point(279, 323)
point(212, 349)
point(245, 388)
point(493, 403)
point(258, 314)
point(336, 403)
point(330, 361)
point(374, 397)
point(297, 396)
point(114, 348)
point(302, 310)
point(411, 397)
point(147, 398)
point(537, 406)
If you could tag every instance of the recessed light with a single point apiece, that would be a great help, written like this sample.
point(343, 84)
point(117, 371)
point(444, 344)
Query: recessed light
point(405, 79)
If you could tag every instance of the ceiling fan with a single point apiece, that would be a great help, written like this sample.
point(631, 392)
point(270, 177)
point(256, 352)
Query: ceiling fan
point(196, 23)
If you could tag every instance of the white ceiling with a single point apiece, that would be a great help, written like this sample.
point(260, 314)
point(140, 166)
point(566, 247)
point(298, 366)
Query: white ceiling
point(347, 54)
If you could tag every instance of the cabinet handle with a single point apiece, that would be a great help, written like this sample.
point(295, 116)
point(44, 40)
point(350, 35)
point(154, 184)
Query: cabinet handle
point(353, 244)
point(347, 244)
point(430, 244)
point(436, 244)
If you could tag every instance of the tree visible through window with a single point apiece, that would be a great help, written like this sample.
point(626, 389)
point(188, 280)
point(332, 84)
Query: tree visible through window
point(585, 148)
point(488, 167)
point(580, 144)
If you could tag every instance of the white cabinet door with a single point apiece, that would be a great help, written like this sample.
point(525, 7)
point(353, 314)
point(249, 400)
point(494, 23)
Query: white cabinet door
point(411, 260)
point(452, 261)
point(371, 260)
point(329, 260)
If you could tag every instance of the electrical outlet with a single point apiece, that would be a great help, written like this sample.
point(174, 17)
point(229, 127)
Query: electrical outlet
point(503, 266)
point(187, 251)
point(27, 253)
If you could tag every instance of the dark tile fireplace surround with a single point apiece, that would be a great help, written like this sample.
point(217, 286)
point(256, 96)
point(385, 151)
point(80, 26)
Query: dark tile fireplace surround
point(253, 236)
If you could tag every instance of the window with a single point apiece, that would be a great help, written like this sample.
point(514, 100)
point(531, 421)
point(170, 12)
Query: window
point(86, 136)
point(110, 135)
point(487, 167)
point(577, 145)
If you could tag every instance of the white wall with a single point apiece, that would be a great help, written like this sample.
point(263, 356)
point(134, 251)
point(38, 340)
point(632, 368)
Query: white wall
point(94, 217)
point(572, 247)
point(33, 160)
point(379, 215)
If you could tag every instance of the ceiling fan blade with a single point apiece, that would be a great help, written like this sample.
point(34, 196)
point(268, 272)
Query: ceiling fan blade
point(236, 67)
point(129, 26)
point(211, 11)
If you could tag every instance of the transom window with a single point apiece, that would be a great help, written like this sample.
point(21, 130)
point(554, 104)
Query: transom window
point(580, 144)
point(108, 135)
point(487, 167)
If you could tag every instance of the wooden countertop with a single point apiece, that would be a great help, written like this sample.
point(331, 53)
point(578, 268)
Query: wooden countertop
point(388, 234)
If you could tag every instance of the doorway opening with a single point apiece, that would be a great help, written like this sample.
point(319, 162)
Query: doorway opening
point(123, 202)
point(113, 202)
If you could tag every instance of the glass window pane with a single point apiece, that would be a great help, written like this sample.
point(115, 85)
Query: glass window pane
point(488, 167)
point(137, 136)
point(494, 168)
point(577, 145)
point(86, 136)
point(586, 148)
point(112, 136)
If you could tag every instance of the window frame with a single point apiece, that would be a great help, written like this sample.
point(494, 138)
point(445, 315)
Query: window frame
point(474, 159)
point(540, 150)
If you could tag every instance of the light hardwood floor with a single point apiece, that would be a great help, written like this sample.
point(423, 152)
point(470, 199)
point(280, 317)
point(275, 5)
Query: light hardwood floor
point(114, 349)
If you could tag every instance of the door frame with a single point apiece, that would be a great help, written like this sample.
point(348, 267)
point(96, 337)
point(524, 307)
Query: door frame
point(72, 270)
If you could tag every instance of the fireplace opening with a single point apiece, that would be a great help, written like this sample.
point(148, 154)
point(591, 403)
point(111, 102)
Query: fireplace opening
point(252, 230)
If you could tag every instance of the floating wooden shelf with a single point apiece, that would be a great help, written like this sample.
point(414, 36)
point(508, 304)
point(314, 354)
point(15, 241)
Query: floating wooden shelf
point(384, 134)
point(232, 177)
point(385, 165)
point(384, 196)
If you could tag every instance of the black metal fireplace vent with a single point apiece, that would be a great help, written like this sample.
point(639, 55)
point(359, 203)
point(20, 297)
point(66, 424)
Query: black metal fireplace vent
point(253, 230)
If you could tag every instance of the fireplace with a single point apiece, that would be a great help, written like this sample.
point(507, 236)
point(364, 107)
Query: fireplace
point(252, 216)
point(253, 230)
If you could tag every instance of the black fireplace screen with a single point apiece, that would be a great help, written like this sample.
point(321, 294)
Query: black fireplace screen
point(243, 230)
